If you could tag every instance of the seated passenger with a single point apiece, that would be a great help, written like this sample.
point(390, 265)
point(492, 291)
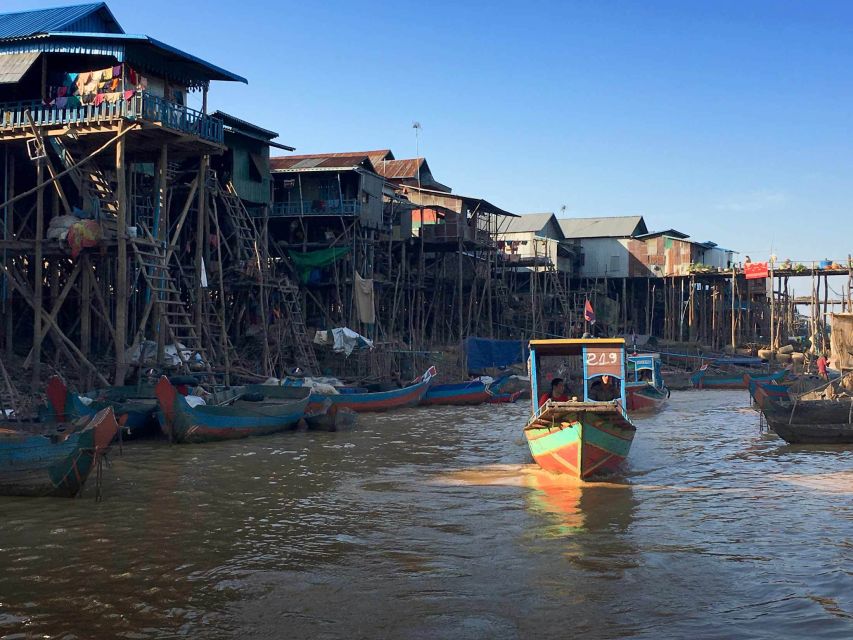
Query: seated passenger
point(604, 389)
point(557, 393)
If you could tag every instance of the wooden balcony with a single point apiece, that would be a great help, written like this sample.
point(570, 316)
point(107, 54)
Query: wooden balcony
point(296, 208)
point(141, 106)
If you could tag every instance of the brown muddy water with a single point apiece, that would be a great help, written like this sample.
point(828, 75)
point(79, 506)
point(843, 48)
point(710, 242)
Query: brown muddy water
point(433, 523)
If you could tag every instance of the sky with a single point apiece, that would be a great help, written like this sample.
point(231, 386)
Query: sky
point(727, 120)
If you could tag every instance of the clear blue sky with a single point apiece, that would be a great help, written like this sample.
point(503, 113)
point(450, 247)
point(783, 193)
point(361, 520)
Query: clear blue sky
point(728, 120)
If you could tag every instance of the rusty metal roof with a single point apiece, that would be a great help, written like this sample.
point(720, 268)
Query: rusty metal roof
point(320, 162)
point(401, 168)
point(375, 156)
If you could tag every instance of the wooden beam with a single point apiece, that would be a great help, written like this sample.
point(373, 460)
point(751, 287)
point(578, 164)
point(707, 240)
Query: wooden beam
point(57, 305)
point(29, 296)
point(121, 286)
point(37, 283)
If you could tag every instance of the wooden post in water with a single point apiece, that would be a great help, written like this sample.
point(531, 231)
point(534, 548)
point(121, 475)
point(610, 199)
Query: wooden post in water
point(772, 309)
point(38, 265)
point(121, 268)
point(734, 325)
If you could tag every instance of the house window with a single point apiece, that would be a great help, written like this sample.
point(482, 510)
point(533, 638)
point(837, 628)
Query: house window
point(614, 263)
point(257, 167)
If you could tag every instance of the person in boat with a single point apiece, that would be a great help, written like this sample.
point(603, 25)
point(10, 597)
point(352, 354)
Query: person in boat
point(558, 392)
point(604, 389)
point(821, 367)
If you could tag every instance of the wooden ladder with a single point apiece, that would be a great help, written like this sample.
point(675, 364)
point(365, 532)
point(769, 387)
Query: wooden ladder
point(562, 296)
point(152, 260)
point(303, 345)
point(243, 228)
point(89, 180)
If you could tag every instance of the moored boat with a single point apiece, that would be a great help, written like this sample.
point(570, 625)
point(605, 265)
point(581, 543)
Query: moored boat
point(472, 392)
point(812, 421)
point(323, 416)
point(57, 462)
point(134, 406)
point(583, 438)
point(646, 393)
point(703, 380)
point(370, 401)
point(230, 414)
point(808, 418)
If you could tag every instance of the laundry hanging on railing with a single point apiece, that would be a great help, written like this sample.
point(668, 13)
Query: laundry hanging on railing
point(69, 90)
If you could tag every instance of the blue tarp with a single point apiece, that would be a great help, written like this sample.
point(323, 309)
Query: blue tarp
point(483, 353)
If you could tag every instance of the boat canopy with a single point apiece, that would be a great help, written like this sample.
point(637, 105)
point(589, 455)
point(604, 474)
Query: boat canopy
point(646, 362)
point(593, 357)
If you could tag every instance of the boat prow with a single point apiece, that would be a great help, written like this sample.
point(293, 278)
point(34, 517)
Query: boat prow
point(580, 438)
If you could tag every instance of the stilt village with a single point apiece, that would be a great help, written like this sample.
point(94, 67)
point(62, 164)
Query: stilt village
point(140, 232)
point(299, 386)
point(140, 235)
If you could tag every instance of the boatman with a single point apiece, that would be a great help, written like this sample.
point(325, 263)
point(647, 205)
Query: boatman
point(557, 392)
point(603, 390)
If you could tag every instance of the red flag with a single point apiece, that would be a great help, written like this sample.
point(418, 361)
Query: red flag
point(588, 313)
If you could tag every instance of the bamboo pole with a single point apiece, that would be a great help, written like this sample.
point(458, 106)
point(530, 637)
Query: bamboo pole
point(121, 292)
point(37, 283)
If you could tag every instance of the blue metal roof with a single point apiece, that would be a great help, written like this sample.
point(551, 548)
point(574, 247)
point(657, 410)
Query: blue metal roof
point(125, 47)
point(72, 18)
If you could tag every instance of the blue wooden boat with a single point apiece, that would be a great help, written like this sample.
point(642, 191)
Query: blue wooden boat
point(321, 416)
point(229, 414)
point(134, 406)
point(646, 391)
point(472, 392)
point(762, 392)
point(703, 380)
point(366, 401)
point(34, 462)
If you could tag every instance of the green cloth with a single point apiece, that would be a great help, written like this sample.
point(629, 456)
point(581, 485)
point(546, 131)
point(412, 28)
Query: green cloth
point(305, 262)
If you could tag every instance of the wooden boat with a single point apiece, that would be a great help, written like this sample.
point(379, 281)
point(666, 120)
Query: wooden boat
point(763, 392)
point(362, 402)
point(231, 414)
point(324, 416)
point(806, 418)
point(647, 392)
point(583, 438)
point(812, 421)
point(134, 406)
point(468, 393)
point(703, 380)
point(53, 463)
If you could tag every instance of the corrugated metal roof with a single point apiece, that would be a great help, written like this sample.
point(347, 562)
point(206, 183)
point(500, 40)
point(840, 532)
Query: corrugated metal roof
point(27, 23)
point(13, 66)
point(525, 223)
point(376, 156)
point(401, 168)
point(671, 233)
point(611, 227)
point(125, 47)
point(317, 162)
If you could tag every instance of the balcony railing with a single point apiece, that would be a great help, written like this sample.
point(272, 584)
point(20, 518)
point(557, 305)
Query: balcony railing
point(316, 208)
point(140, 106)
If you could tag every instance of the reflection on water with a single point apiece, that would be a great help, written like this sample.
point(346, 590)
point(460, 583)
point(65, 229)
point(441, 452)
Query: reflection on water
point(435, 524)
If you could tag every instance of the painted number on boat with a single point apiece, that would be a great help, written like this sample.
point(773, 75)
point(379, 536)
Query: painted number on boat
point(603, 360)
